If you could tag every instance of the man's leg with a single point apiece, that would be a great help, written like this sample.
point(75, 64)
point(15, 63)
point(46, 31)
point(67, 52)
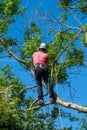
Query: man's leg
point(47, 82)
point(39, 85)
point(45, 75)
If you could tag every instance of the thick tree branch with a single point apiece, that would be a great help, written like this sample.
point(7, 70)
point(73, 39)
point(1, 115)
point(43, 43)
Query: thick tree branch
point(72, 105)
point(11, 53)
point(59, 101)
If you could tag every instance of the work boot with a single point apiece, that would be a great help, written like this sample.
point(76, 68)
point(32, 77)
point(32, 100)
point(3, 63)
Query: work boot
point(41, 102)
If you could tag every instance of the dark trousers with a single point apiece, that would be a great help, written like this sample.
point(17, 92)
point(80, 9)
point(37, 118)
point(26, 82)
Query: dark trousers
point(42, 74)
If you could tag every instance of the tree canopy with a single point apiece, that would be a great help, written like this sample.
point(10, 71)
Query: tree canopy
point(67, 32)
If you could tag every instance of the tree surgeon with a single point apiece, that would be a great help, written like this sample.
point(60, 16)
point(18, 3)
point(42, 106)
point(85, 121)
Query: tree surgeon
point(40, 61)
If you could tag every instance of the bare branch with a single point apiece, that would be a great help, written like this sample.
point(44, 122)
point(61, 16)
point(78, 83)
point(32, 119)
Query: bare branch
point(63, 24)
point(32, 104)
point(24, 89)
point(76, 18)
point(33, 108)
point(72, 105)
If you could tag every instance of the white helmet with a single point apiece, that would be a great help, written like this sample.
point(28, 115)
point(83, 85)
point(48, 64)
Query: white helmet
point(43, 46)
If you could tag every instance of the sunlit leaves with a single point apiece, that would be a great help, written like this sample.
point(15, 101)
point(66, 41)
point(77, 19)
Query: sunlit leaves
point(63, 3)
point(84, 35)
point(11, 7)
point(30, 46)
point(74, 58)
point(10, 42)
point(7, 78)
point(32, 41)
point(11, 103)
point(83, 6)
point(9, 98)
point(61, 74)
point(3, 26)
point(8, 8)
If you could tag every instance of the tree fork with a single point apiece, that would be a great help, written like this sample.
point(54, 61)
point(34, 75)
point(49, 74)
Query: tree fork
point(58, 100)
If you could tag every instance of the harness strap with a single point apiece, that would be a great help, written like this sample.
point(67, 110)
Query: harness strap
point(40, 66)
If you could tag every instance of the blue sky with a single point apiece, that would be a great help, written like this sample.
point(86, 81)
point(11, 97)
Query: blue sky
point(48, 7)
point(78, 82)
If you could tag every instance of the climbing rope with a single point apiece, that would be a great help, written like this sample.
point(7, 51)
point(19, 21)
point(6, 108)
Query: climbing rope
point(61, 123)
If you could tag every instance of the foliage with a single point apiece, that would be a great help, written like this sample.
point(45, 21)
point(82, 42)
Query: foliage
point(81, 120)
point(32, 40)
point(10, 86)
point(11, 104)
point(8, 8)
point(73, 56)
point(65, 2)
point(12, 117)
point(82, 6)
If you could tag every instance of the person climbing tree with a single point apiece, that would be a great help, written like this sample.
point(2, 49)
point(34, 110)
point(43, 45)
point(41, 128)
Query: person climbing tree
point(40, 61)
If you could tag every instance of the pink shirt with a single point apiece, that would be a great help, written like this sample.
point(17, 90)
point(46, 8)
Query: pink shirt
point(40, 58)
